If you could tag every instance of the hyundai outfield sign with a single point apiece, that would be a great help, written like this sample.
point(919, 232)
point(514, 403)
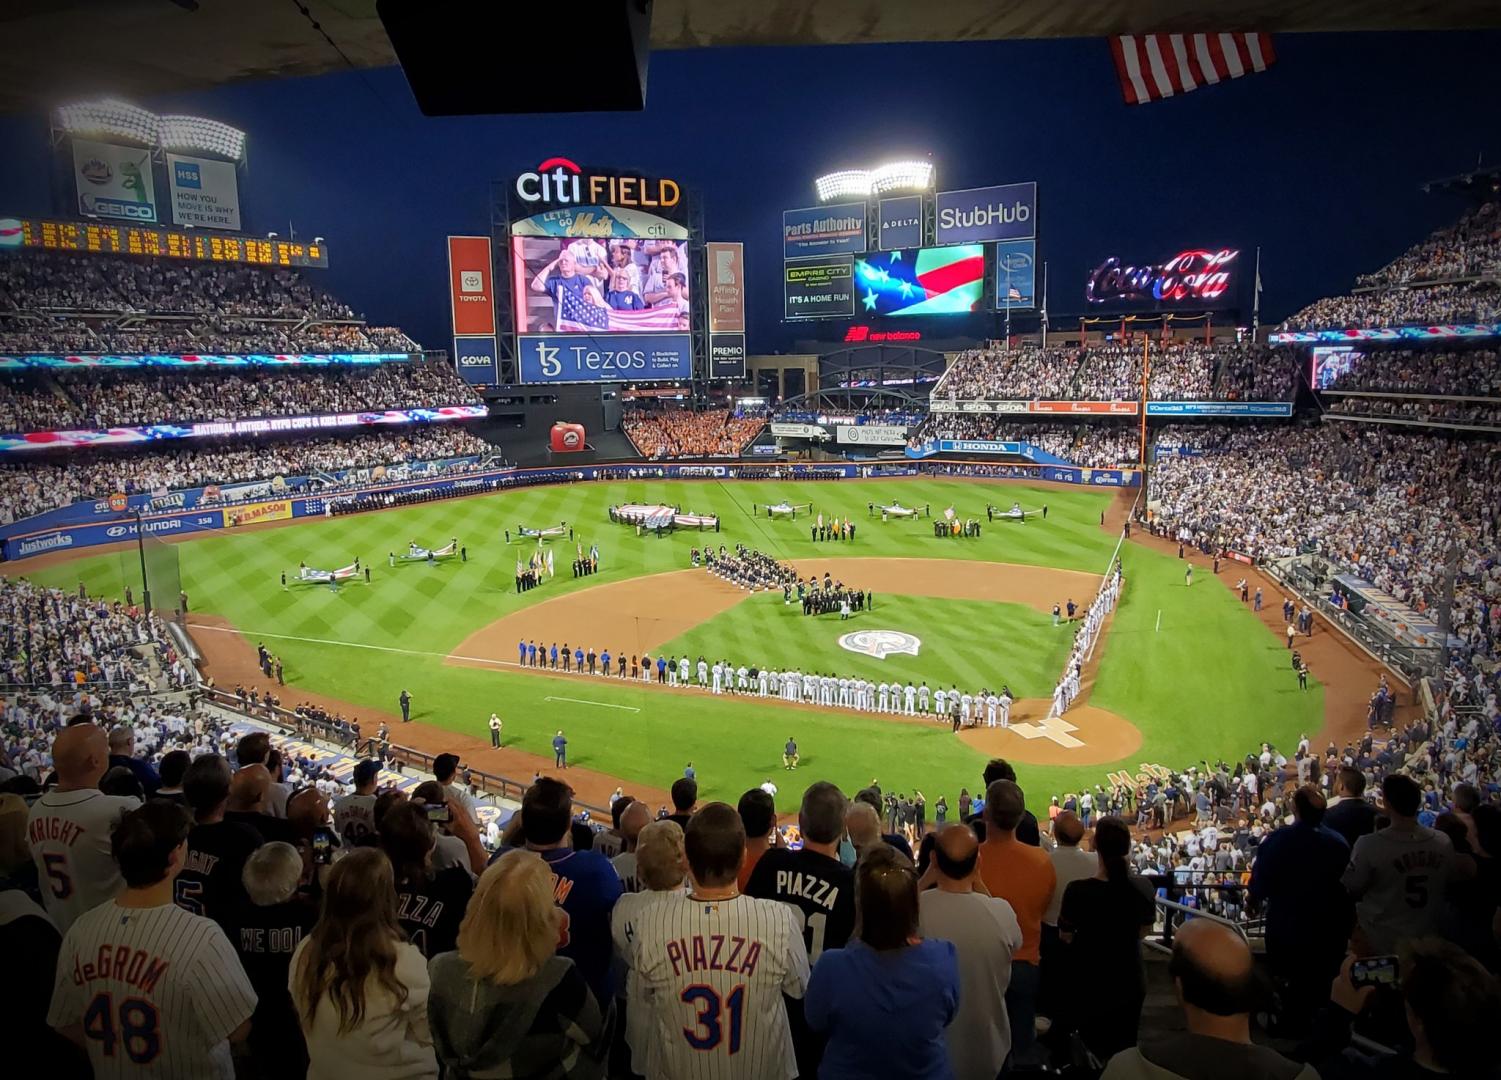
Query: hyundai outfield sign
point(975, 215)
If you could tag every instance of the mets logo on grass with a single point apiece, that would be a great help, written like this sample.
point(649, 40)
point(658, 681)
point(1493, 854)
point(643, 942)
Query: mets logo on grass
point(880, 643)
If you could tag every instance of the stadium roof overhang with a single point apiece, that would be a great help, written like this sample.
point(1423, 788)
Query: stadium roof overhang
point(67, 48)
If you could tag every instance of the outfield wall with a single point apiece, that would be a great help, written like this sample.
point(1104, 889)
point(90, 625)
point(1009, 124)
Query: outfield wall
point(61, 530)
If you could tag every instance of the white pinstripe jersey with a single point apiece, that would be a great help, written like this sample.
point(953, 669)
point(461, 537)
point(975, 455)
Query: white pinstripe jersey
point(712, 974)
point(156, 990)
point(69, 833)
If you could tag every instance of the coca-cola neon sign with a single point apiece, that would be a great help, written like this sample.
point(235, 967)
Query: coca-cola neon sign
point(1193, 276)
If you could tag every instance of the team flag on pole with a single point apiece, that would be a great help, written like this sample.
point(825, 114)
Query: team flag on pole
point(1156, 66)
point(549, 564)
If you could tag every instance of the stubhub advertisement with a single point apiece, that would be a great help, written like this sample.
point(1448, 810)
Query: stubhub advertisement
point(545, 358)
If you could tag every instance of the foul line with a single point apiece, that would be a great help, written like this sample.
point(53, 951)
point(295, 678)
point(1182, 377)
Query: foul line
point(353, 645)
point(601, 704)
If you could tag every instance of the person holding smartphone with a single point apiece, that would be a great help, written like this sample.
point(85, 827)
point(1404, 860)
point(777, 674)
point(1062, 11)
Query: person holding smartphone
point(429, 903)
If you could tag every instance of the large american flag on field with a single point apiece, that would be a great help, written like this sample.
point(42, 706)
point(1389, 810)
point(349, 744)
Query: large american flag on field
point(576, 315)
point(1156, 66)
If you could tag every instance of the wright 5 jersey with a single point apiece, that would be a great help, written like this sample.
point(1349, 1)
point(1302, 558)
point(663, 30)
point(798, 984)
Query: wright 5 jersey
point(712, 975)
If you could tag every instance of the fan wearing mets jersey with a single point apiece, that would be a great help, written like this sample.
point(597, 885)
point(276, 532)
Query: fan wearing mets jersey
point(148, 989)
point(69, 828)
point(713, 967)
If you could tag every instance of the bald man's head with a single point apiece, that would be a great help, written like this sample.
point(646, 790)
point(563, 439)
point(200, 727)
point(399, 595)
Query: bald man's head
point(633, 819)
point(122, 740)
point(248, 787)
point(863, 825)
point(955, 850)
point(1213, 969)
point(80, 754)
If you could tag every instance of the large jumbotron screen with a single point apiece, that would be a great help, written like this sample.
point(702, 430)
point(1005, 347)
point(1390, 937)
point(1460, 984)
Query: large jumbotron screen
point(582, 285)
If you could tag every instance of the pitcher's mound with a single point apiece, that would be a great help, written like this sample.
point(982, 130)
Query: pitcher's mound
point(1085, 735)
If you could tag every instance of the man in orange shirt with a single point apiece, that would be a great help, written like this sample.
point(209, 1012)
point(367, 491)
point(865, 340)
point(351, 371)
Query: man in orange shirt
point(1023, 876)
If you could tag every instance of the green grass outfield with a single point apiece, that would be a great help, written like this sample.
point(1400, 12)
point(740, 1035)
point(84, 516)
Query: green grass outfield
point(1211, 681)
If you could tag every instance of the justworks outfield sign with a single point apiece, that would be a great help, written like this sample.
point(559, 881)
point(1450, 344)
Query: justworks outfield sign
point(560, 182)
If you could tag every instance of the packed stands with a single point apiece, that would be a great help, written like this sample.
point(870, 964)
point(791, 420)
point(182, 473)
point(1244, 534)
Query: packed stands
point(1181, 371)
point(668, 432)
point(38, 401)
point(1470, 248)
point(1467, 373)
point(1421, 412)
point(34, 486)
point(95, 303)
point(1097, 445)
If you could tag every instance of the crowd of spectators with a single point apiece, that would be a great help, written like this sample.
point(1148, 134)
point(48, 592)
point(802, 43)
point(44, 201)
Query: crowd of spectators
point(685, 433)
point(34, 486)
point(1471, 247)
point(53, 302)
point(1381, 502)
point(1098, 445)
point(39, 401)
point(1424, 305)
point(1423, 412)
point(1466, 373)
point(1180, 371)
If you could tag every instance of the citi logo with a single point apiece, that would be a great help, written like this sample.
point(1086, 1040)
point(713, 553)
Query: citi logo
point(952, 217)
point(556, 180)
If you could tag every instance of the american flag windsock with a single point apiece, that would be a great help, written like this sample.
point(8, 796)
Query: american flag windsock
point(1156, 66)
point(576, 315)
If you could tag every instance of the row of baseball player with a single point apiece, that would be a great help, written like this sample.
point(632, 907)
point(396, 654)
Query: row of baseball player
point(1066, 692)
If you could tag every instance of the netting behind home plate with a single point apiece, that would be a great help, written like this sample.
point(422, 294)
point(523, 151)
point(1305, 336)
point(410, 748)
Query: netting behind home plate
point(152, 571)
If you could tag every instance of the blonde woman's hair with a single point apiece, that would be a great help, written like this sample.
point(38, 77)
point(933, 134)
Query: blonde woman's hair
point(660, 861)
point(353, 942)
point(511, 926)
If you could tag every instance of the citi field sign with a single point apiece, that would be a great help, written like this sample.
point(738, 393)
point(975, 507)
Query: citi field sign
point(561, 182)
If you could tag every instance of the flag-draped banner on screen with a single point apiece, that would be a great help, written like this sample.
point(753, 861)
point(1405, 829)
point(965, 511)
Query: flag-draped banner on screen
point(921, 281)
point(578, 316)
point(1156, 66)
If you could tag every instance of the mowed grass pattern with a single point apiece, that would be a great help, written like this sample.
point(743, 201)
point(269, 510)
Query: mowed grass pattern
point(1211, 682)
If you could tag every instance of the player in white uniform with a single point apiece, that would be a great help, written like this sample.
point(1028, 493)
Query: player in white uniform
point(922, 698)
point(941, 699)
point(991, 701)
point(69, 828)
point(147, 989)
point(713, 969)
point(884, 689)
point(718, 676)
point(354, 814)
point(703, 671)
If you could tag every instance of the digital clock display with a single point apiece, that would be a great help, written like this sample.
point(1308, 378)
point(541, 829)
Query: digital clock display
point(159, 242)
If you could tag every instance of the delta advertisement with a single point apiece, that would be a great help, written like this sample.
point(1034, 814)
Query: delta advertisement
point(114, 182)
point(205, 194)
point(202, 360)
point(471, 285)
point(978, 215)
point(899, 222)
point(604, 358)
point(477, 360)
point(818, 288)
point(250, 513)
point(125, 436)
point(836, 229)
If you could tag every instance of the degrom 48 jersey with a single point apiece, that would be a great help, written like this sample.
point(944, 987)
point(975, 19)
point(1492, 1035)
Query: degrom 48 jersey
point(712, 975)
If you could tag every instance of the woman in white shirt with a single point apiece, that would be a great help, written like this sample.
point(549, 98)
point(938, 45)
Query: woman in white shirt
point(359, 987)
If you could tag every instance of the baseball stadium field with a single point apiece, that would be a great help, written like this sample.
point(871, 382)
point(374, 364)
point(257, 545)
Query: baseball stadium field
point(1181, 673)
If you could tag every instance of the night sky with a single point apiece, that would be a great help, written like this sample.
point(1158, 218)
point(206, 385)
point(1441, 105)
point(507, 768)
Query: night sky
point(1318, 161)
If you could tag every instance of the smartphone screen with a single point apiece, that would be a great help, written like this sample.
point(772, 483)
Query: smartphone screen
point(323, 847)
point(1374, 971)
point(437, 813)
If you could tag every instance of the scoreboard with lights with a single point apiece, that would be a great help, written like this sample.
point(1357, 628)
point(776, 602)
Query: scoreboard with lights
point(166, 243)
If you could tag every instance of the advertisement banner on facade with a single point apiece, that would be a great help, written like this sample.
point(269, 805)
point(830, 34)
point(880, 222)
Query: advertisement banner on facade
point(899, 222)
point(798, 431)
point(726, 356)
point(471, 285)
point(250, 513)
point(979, 408)
point(726, 288)
point(1191, 279)
point(1015, 275)
point(205, 194)
point(477, 360)
point(818, 288)
point(197, 360)
point(1093, 408)
point(114, 182)
point(975, 215)
point(1452, 332)
point(1219, 408)
point(870, 435)
point(836, 229)
point(599, 222)
point(604, 357)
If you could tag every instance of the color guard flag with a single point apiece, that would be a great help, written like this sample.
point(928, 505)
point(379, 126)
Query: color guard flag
point(1156, 66)
point(549, 564)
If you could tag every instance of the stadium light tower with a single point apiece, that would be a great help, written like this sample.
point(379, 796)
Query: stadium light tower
point(109, 118)
point(894, 176)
